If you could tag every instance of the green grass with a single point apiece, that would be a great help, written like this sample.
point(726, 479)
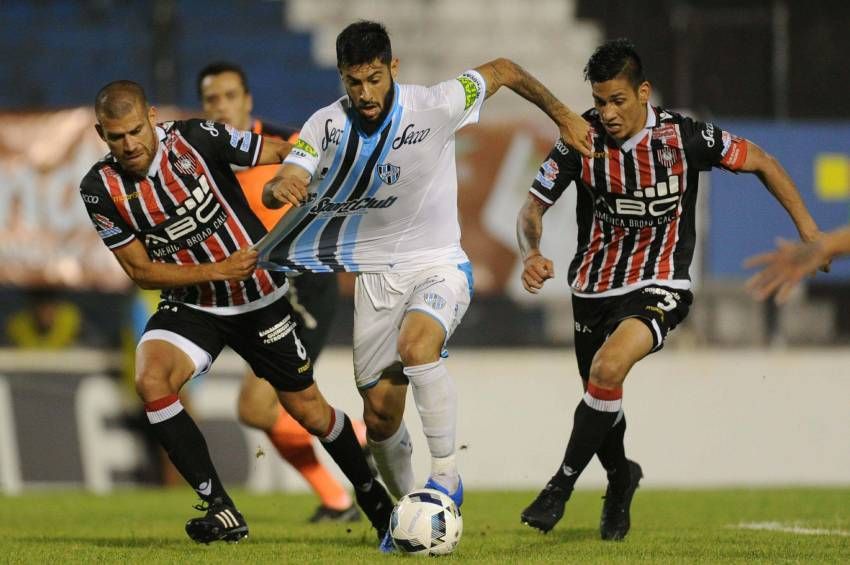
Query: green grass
point(669, 526)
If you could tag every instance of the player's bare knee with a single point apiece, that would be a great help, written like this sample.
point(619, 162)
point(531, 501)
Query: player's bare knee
point(314, 421)
point(153, 382)
point(607, 371)
point(414, 353)
point(382, 423)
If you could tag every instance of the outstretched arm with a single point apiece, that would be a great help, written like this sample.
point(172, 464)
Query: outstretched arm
point(785, 267)
point(503, 72)
point(776, 180)
point(537, 269)
point(153, 275)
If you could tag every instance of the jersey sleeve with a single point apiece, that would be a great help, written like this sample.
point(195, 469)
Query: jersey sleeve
point(306, 152)
point(561, 167)
point(110, 225)
point(465, 96)
point(225, 143)
point(707, 146)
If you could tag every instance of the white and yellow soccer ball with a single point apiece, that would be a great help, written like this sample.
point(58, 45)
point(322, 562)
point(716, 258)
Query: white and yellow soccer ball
point(426, 522)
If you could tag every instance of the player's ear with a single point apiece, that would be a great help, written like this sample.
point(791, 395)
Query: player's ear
point(152, 115)
point(99, 129)
point(250, 103)
point(394, 68)
point(644, 90)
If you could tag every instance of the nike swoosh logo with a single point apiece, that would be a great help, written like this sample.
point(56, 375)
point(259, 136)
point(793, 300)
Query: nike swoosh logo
point(568, 471)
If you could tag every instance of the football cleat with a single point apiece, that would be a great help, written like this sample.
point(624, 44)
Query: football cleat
point(387, 545)
point(547, 509)
point(326, 514)
point(456, 496)
point(221, 523)
point(615, 521)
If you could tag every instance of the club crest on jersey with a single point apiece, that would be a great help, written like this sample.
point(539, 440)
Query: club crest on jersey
point(667, 156)
point(186, 165)
point(388, 172)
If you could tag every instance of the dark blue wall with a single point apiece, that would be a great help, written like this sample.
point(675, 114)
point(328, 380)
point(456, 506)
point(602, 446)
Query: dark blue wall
point(745, 218)
point(57, 54)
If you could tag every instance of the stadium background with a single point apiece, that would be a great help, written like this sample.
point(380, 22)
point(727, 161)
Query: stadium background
point(771, 70)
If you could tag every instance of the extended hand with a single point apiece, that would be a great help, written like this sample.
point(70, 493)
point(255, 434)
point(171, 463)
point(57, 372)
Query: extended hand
point(238, 266)
point(576, 133)
point(537, 270)
point(288, 190)
point(785, 267)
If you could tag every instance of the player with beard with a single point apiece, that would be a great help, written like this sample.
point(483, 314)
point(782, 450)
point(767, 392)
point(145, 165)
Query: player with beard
point(166, 203)
point(374, 180)
point(636, 207)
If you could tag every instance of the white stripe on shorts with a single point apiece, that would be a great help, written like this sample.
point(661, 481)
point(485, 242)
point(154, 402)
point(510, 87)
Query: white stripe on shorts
point(199, 357)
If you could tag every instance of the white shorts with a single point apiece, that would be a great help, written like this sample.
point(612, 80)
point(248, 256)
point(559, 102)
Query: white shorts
point(381, 301)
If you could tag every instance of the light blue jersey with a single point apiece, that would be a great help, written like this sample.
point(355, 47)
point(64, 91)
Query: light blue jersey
point(379, 202)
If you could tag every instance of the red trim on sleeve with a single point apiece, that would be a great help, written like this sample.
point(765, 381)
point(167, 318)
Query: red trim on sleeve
point(736, 155)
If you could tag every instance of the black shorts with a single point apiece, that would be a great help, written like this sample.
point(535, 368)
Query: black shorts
point(660, 308)
point(314, 297)
point(266, 338)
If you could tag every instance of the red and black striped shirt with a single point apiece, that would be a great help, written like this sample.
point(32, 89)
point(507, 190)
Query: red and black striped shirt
point(636, 200)
point(189, 209)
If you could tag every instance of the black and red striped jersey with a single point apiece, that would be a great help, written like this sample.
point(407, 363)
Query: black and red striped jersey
point(189, 209)
point(636, 201)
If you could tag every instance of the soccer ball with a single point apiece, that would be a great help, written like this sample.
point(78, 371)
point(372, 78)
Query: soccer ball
point(426, 522)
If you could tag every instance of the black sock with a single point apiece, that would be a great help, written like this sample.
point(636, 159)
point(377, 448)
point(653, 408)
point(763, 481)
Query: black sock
point(343, 447)
point(612, 454)
point(590, 426)
point(185, 445)
point(341, 443)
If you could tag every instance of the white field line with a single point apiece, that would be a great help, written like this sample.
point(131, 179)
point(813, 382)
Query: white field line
point(789, 529)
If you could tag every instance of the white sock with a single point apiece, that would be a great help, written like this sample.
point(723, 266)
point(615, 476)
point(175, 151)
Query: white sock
point(436, 399)
point(392, 456)
point(444, 472)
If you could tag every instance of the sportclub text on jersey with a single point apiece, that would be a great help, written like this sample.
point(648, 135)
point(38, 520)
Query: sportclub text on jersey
point(383, 201)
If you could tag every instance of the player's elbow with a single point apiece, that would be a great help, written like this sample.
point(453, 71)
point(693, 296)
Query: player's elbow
point(506, 70)
point(144, 283)
point(140, 277)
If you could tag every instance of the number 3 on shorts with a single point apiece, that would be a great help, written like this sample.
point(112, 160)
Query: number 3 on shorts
point(668, 304)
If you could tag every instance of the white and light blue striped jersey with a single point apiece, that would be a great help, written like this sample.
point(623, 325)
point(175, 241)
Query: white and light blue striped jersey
point(379, 202)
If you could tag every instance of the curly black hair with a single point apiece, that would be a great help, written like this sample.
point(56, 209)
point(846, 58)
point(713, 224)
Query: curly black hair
point(361, 43)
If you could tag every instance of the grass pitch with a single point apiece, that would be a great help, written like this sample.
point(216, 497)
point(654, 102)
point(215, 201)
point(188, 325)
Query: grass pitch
point(668, 526)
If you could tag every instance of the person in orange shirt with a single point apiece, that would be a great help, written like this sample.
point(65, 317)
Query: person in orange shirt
point(225, 97)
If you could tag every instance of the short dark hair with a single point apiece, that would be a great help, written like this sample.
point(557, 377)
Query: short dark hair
point(362, 42)
point(118, 98)
point(614, 58)
point(217, 68)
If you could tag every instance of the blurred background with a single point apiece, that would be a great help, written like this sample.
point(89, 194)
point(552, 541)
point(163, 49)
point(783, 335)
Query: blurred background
point(774, 71)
